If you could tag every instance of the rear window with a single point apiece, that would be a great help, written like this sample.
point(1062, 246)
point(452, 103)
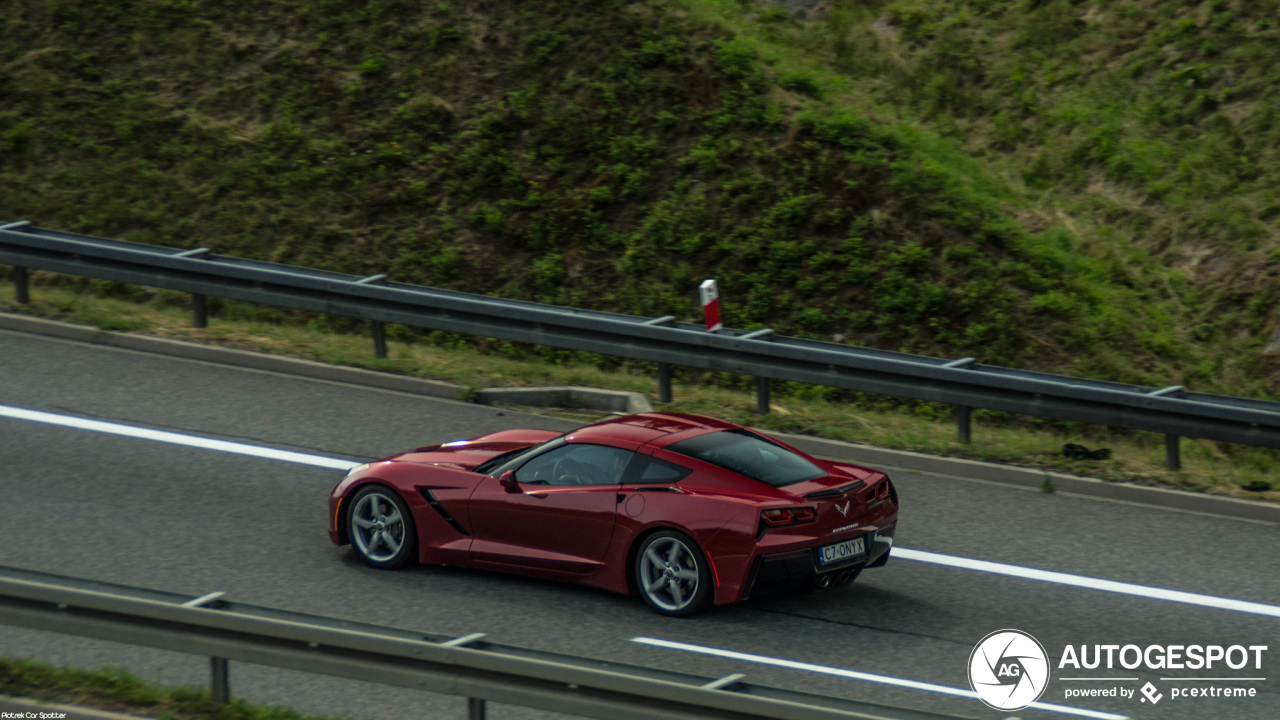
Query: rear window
point(750, 455)
point(659, 471)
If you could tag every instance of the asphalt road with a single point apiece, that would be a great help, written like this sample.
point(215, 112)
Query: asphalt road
point(188, 520)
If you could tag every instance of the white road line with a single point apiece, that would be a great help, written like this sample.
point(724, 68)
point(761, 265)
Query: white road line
point(1088, 582)
point(869, 677)
point(174, 438)
point(898, 552)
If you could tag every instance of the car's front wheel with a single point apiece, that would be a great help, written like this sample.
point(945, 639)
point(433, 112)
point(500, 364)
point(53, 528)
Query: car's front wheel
point(672, 574)
point(381, 528)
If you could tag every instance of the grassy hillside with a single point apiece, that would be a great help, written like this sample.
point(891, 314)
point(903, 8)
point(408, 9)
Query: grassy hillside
point(1149, 129)
point(613, 154)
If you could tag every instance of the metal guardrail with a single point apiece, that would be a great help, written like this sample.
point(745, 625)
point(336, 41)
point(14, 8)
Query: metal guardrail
point(467, 666)
point(963, 383)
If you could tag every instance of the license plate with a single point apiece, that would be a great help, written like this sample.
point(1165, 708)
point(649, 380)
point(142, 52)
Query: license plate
point(841, 551)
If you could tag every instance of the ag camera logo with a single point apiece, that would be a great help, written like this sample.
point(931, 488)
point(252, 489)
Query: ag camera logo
point(1008, 670)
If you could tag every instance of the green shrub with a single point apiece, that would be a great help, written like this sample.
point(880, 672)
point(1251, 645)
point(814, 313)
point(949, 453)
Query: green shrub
point(373, 65)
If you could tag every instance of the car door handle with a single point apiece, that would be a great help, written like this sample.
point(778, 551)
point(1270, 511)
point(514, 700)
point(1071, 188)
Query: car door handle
point(539, 495)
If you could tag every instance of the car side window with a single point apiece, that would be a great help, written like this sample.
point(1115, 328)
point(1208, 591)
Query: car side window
point(653, 470)
point(576, 464)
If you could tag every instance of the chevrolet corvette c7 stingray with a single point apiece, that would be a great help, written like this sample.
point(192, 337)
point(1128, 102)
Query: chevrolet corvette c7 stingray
point(685, 510)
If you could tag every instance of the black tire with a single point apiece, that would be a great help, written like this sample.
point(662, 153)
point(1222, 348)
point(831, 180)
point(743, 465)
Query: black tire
point(672, 574)
point(381, 528)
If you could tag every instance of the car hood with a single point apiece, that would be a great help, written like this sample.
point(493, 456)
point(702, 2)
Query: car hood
point(467, 454)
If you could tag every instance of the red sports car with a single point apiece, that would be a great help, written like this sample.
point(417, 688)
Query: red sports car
point(686, 510)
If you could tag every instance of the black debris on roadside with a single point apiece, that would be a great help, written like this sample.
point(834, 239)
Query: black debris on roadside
point(1080, 452)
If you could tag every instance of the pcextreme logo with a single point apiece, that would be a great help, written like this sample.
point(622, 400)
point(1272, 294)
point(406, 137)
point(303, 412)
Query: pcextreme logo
point(1009, 670)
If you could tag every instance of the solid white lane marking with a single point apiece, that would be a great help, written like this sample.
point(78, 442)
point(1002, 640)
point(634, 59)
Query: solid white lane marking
point(868, 677)
point(1088, 582)
point(174, 438)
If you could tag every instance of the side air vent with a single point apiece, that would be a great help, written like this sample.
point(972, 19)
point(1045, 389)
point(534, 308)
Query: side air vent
point(435, 505)
point(836, 491)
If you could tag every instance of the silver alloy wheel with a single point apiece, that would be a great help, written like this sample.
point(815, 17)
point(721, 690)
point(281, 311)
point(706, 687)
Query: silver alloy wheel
point(377, 527)
point(669, 573)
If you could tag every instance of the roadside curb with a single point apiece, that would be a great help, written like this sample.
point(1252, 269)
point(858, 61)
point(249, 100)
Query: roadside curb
point(621, 401)
point(1032, 477)
point(567, 396)
point(11, 704)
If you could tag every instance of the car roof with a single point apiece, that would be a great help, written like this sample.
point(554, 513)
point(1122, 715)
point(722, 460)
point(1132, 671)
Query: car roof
point(646, 427)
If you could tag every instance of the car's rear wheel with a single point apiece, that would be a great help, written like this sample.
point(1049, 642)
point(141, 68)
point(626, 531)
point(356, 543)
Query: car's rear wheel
point(672, 574)
point(381, 528)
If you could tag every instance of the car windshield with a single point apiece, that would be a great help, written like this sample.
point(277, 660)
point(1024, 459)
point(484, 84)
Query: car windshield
point(748, 454)
point(499, 464)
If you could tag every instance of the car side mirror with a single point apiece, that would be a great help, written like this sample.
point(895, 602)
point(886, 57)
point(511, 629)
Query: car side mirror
point(508, 480)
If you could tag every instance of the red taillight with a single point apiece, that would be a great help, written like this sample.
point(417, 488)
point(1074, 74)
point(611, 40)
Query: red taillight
point(803, 515)
point(878, 491)
point(780, 517)
point(776, 518)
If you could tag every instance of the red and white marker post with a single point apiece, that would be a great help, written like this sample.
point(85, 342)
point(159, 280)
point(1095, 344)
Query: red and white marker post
point(710, 296)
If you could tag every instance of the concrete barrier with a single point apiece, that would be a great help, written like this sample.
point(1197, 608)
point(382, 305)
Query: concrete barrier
point(567, 396)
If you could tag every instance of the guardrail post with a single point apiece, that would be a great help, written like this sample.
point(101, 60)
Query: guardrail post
point(475, 709)
point(664, 382)
point(21, 285)
point(377, 326)
point(219, 681)
point(1172, 451)
point(963, 427)
point(664, 369)
point(762, 395)
point(762, 383)
point(199, 311)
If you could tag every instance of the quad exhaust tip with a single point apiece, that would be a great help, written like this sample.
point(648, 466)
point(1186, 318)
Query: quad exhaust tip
point(834, 579)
